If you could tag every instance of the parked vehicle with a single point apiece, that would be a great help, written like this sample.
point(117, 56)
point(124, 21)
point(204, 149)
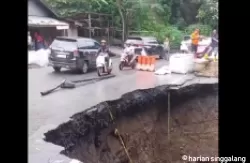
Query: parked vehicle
point(73, 53)
point(186, 44)
point(151, 45)
point(103, 66)
point(128, 61)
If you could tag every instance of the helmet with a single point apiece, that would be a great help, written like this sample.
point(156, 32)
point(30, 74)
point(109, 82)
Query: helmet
point(103, 41)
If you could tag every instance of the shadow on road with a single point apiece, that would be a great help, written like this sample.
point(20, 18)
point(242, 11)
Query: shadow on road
point(78, 83)
point(69, 72)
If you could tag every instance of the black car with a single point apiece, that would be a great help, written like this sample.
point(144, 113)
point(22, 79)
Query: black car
point(151, 45)
point(73, 53)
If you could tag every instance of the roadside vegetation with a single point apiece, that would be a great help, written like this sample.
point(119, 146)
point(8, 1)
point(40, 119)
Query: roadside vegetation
point(159, 18)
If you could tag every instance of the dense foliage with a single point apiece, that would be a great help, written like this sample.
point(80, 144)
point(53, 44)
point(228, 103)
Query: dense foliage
point(160, 17)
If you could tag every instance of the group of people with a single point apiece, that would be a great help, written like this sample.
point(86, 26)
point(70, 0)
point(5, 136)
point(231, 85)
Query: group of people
point(37, 42)
point(213, 46)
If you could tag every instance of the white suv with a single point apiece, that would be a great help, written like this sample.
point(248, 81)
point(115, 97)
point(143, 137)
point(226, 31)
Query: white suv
point(150, 44)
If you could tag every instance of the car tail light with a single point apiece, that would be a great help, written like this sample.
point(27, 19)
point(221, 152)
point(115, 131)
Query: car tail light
point(76, 53)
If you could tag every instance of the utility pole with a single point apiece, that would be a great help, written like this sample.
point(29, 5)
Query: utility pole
point(89, 22)
point(169, 115)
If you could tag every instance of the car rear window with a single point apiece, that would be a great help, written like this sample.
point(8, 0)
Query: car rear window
point(86, 44)
point(134, 38)
point(65, 44)
point(152, 41)
point(133, 42)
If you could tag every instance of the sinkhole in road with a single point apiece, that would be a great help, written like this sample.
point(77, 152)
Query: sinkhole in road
point(141, 117)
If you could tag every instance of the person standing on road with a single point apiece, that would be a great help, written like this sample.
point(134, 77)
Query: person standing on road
point(166, 42)
point(195, 37)
point(214, 42)
point(213, 46)
point(29, 41)
point(167, 47)
point(39, 41)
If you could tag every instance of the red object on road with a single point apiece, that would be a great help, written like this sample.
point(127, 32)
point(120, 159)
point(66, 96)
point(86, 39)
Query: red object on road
point(201, 54)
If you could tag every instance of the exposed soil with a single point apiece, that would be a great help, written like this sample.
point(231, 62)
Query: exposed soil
point(142, 119)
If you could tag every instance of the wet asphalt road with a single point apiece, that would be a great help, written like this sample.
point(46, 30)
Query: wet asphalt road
point(44, 109)
point(45, 113)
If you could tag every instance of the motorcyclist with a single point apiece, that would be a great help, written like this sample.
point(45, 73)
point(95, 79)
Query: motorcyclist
point(104, 49)
point(129, 52)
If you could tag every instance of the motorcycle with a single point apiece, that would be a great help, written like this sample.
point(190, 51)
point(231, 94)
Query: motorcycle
point(127, 61)
point(103, 66)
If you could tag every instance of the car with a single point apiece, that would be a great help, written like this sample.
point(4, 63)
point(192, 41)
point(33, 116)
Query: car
point(150, 44)
point(186, 44)
point(77, 53)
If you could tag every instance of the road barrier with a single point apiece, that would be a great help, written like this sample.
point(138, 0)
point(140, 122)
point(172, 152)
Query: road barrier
point(146, 63)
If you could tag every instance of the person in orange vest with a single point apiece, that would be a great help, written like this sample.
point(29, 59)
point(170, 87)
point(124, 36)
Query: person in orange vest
point(195, 37)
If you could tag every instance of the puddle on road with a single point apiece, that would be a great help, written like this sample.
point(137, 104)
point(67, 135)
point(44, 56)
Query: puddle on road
point(142, 120)
point(145, 79)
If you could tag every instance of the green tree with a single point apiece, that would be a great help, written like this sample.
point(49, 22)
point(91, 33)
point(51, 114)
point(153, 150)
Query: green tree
point(208, 13)
point(69, 7)
point(161, 17)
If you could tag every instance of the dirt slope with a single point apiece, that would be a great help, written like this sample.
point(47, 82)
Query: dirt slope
point(141, 118)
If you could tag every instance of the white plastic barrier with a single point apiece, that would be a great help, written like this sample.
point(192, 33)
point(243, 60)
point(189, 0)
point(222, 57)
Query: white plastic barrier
point(39, 57)
point(75, 161)
point(181, 63)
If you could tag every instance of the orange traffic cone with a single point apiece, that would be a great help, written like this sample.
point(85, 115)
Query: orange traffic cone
point(139, 63)
point(152, 64)
point(148, 60)
point(143, 63)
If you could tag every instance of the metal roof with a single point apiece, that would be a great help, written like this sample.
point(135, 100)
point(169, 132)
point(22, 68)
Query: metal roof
point(37, 21)
point(73, 38)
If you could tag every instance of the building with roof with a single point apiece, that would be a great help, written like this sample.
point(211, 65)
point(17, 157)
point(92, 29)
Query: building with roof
point(41, 18)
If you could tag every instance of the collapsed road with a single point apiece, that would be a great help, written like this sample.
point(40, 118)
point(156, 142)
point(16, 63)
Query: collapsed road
point(141, 118)
point(50, 111)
